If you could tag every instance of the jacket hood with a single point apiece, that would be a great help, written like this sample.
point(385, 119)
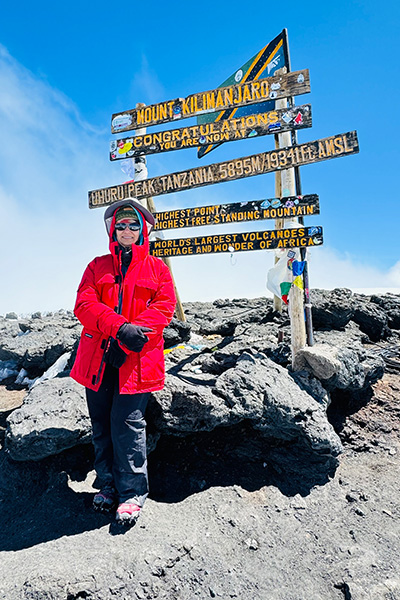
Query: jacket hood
point(139, 252)
point(110, 212)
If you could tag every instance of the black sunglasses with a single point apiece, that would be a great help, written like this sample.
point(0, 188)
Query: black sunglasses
point(123, 226)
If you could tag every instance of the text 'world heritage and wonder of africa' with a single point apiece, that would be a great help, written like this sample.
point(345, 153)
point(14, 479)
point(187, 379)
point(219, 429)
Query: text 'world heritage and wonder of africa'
point(297, 237)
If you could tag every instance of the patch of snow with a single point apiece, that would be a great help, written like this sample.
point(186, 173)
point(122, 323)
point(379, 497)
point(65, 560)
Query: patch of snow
point(7, 369)
point(54, 370)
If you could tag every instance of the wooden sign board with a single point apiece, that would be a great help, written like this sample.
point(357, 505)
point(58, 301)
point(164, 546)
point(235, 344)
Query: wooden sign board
point(255, 210)
point(297, 237)
point(233, 96)
point(274, 121)
point(343, 144)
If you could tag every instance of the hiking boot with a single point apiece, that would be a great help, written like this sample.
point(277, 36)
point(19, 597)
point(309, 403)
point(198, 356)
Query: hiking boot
point(127, 512)
point(105, 500)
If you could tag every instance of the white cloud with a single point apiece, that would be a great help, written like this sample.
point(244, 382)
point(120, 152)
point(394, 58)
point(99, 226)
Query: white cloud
point(245, 274)
point(49, 158)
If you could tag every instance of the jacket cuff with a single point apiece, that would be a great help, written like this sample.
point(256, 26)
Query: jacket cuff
point(120, 320)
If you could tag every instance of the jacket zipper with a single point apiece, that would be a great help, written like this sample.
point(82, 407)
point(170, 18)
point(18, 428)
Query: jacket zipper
point(117, 309)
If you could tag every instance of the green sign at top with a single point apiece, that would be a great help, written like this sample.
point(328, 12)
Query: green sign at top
point(265, 63)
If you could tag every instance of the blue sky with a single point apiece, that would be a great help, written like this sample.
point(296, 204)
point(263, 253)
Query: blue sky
point(66, 67)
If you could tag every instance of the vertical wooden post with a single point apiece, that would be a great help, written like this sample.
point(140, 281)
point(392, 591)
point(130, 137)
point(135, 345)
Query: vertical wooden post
point(303, 251)
point(140, 174)
point(296, 302)
point(296, 296)
point(279, 223)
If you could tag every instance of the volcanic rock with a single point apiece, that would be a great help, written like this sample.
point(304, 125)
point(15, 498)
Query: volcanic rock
point(390, 303)
point(227, 495)
point(35, 344)
point(176, 332)
point(339, 367)
point(53, 418)
point(257, 391)
point(333, 310)
point(371, 318)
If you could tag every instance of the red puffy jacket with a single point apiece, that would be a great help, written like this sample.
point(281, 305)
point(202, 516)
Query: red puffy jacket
point(148, 299)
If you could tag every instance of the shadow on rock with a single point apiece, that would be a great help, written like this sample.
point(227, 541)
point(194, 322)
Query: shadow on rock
point(345, 404)
point(181, 466)
point(38, 505)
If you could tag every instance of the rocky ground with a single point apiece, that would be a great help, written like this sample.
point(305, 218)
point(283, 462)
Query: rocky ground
point(265, 484)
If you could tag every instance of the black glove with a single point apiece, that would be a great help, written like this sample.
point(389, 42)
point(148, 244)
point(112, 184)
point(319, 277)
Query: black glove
point(133, 336)
point(115, 356)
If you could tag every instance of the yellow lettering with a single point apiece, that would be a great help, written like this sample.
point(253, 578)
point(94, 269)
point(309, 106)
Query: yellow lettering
point(210, 101)
point(140, 116)
point(185, 107)
point(255, 87)
point(225, 126)
point(321, 150)
point(246, 93)
point(220, 101)
point(238, 100)
point(273, 116)
point(263, 119)
point(339, 145)
point(157, 138)
point(330, 150)
point(264, 89)
point(346, 148)
point(228, 96)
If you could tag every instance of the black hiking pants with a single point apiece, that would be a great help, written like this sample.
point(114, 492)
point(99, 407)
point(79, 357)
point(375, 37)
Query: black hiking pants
point(119, 438)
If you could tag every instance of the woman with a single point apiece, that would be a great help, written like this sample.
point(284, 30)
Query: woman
point(125, 300)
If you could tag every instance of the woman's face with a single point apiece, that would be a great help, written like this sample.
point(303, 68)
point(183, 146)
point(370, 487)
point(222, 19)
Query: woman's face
point(126, 237)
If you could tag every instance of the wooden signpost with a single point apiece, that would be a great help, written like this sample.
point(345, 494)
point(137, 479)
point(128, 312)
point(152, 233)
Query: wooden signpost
point(262, 106)
point(233, 96)
point(237, 212)
point(296, 237)
point(335, 146)
point(274, 121)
